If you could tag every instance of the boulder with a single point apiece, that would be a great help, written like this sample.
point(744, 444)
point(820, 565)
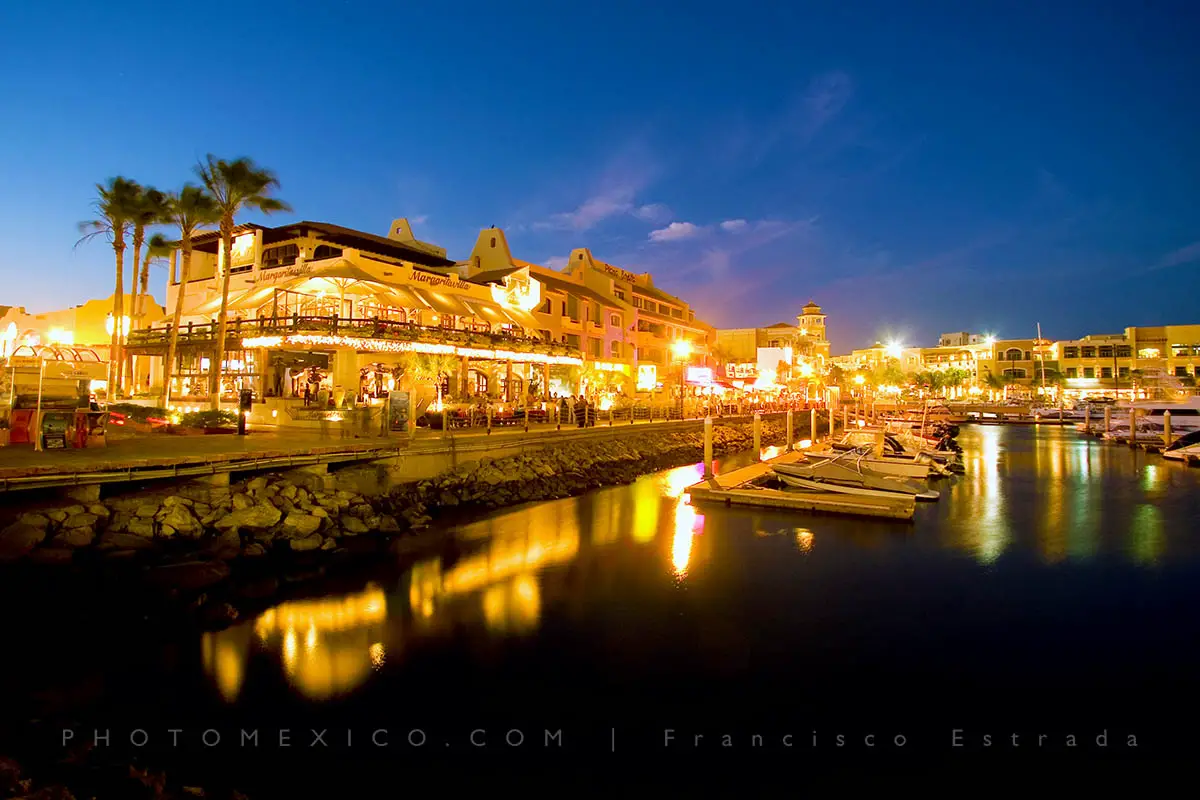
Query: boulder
point(176, 500)
point(312, 542)
point(317, 511)
point(256, 484)
point(329, 544)
point(73, 509)
point(146, 511)
point(241, 502)
point(83, 520)
point(388, 524)
point(360, 510)
point(189, 575)
point(299, 525)
point(287, 490)
point(18, 539)
point(256, 517)
point(75, 537)
point(180, 518)
point(141, 527)
point(52, 555)
point(352, 525)
point(39, 521)
point(166, 531)
point(99, 510)
point(112, 540)
point(58, 515)
point(253, 550)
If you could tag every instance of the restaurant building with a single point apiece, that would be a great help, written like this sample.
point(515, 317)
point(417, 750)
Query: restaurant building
point(783, 353)
point(317, 305)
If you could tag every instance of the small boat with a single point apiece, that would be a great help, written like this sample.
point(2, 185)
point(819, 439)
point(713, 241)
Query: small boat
point(1184, 448)
point(919, 467)
point(846, 476)
point(894, 445)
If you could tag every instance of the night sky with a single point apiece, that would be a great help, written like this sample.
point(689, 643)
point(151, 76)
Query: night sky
point(914, 167)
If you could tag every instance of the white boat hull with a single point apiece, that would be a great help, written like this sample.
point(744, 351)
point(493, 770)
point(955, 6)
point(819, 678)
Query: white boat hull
point(839, 488)
point(901, 467)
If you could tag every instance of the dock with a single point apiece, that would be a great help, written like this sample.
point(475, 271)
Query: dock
point(735, 488)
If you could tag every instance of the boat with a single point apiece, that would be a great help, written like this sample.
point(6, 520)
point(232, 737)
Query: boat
point(930, 414)
point(847, 475)
point(1185, 415)
point(920, 467)
point(1185, 448)
point(897, 445)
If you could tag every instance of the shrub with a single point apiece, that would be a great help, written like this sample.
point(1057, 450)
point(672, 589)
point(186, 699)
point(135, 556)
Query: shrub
point(209, 419)
point(139, 413)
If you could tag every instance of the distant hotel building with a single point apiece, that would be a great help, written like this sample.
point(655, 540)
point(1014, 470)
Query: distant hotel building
point(757, 356)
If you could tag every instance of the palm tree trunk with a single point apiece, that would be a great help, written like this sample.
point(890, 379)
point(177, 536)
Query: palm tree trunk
point(139, 236)
point(114, 357)
point(185, 269)
point(222, 319)
point(141, 297)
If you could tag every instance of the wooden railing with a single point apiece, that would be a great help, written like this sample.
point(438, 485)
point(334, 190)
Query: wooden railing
point(373, 328)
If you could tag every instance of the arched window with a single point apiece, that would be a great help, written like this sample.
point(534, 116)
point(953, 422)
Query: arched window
point(325, 251)
point(1014, 373)
point(478, 380)
point(1012, 354)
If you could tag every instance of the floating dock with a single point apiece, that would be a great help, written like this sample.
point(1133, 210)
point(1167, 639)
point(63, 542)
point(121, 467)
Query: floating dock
point(735, 488)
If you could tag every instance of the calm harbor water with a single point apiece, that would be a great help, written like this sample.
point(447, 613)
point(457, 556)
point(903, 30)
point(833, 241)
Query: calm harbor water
point(1050, 591)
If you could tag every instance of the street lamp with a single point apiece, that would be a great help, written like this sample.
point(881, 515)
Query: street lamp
point(681, 349)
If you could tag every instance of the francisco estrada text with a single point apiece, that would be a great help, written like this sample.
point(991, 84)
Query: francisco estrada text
point(895, 741)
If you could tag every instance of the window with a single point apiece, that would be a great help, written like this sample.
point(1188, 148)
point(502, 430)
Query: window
point(325, 251)
point(1014, 373)
point(677, 313)
point(614, 320)
point(620, 295)
point(1089, 372)
point(493, 241)
point(573, 340)
point(1181, 350)
point(1106, 351)
point(663, 308)
point(546, 335)
point(1106, 372)
point(1012, 354)
point(1070, 352)
point(1089, 352)
point(1027, 356)
point(637, 302)
point(1181, 372)
point(564, 309)
point(545, 307)
point(283, 255)
point(1072, 372)
point(614, 349)
point(1124, 351)
point(594, 347)
point(1123, 372)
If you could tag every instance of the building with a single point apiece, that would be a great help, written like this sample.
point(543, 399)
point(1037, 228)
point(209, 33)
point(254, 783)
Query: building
point(617, 321)
point(1138, 360)
point(778, 353)
point(960, 339)
point(314, 302)
point(86, 326)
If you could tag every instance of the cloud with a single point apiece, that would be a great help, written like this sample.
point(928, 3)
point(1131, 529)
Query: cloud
point(733, 225)
point(1184, 255)
point(420, 219)
point(625, 175)
point(675, 232)
point(654, 212)
point(555, 262)
point(596, 209)
point(824, 100)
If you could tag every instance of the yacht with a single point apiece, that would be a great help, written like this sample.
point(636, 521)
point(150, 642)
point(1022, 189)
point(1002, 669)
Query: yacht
point(882, 459)
point(1184, 448)
point(847, 474)
point(900, 444)
point(1185, 415)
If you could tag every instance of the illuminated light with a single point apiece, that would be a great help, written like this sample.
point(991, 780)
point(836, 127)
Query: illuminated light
point(60, 336)
point(894, 349)
point(310, 639)
point(10, 333)
point(647, 377)
point(989, 340)
point(860, 380)
point(204, 363)
point(274, 413)
point(109, 325)
point(384, 346)
point(806, 370)
point(805, 444)
point(606, 402)
point(804, 331)
point(289, 650)
point(378, 654)
point(862, 423)
point(518, 292)
point(681, 349)
point(243, 245)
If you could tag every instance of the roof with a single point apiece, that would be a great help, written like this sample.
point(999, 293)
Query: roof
point(337, 234)
point(782, 324)
point(561, 285)
point(658, 293)
point(494, 275)
point(811, 304)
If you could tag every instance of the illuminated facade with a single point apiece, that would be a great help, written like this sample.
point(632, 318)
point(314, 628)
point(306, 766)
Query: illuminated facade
point(781, 352)
point(350, 306)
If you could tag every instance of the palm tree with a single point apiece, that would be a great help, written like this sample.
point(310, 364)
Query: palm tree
point(157, 248)
point(152, 210)
point(116, 204)
point(187, 210)
point(234, 186)
point(439, 366)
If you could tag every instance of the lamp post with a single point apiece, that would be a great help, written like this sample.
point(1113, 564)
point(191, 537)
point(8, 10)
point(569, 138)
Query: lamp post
point(681, 349)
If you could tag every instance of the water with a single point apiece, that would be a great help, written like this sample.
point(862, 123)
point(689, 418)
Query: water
point(1050, 592)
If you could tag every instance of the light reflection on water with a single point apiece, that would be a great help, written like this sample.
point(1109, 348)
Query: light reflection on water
point(1058, 497)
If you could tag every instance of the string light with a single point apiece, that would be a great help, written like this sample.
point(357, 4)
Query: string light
point(385, 346)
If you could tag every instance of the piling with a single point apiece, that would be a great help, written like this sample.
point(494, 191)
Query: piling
point(831, 424)
point(1166, 429)
point(787, 447)
point(708, 446)
point(445, 420)
point(845, 417)
point(1133, 427)
point(525, 412)
point(1087, 418)
point(812, 424)
point(757, 436)
point(489, 410)
point(1107, 419)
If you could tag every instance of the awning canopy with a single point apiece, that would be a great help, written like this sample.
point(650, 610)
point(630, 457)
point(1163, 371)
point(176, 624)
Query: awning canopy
point(489, 311)
point(523, 318)
point(443, 303)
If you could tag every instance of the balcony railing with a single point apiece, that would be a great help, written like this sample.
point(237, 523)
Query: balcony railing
point(390, 330)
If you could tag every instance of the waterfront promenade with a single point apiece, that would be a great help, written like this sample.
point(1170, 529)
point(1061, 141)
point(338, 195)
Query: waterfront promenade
point(129, 451)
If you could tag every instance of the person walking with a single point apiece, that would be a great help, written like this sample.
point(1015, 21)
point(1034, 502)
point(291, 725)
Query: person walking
point(307, 393)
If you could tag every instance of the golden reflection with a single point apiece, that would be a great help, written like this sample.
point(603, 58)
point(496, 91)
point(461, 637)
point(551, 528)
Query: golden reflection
point(993, 535)
point(678, 479)
point(378, 655)
point(513, 606)
point(804, 539)
point(687, 525)
point(341, 643)
point(1146, 534)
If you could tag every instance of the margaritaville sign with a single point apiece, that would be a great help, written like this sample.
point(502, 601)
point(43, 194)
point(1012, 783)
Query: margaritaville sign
point(449, 281)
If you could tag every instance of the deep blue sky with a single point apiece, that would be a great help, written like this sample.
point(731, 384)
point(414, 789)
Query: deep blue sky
point(914, 167)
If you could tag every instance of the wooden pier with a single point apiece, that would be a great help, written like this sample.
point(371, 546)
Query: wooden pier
point(735, 488)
